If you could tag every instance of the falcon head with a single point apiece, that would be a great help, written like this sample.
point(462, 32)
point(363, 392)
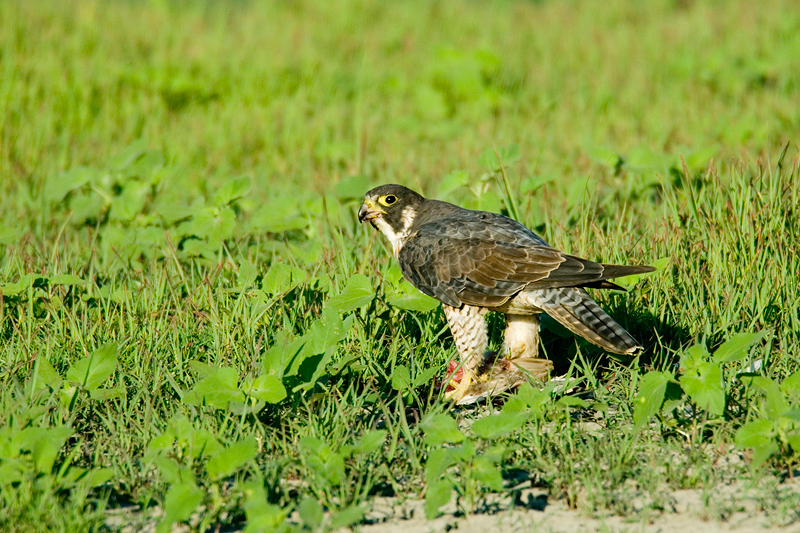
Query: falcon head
point(391, 209)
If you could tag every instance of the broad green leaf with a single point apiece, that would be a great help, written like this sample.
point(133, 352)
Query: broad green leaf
point(308, 252)
point(310, 366)
point(514, 405)
point(489, 201)
point(352, 188)
point(71, 475)
point(102, 394)
point(261, 516)
point(463, 453)
point(490, 427)
point(158, 444)
point(371, 441)
point(97, 476)
point(181, 427)
point(453, 181)
point(217, 225)
point(491, 158)
point(60, 185)
point(650, 398)
point(200, 442)
point(425, 376)
point(67, 279)
point(277, 216)
point(230, 459)
point(347, 517)
point(278, 357)
point(180, 502)
point(328, 330)
point(401, 378)
point(394, 276)
point(202, 369)
point(67, 393)
point(661, 263)
point(528, 399)
point(509, 154)
point(791, 385)
point(605, 156)
point(169, 469)
point(694, 356)
point(357, 293)
point(326, 463)
point(44, 445)
point(794, 441)
point(442, 429)
point(703, 384)
point(494, 454)
point(579, 192)
point(487, 473)
point(774, 400)
point(312, 445)
point(281, 278)
point(698, 159)
point(410, 299)
point(46, 376)
point(531, 185)
point(9, 235)
point(755, 433)
point(437, 494)
point(216, 390)
point(488, 160)
point(430, 107)
point(268, 388)
point(762, 453)
point(737, 347)
point(127, 206)
point(172, 214)
point(128, 155)
point(87, 207)
point(146, 167)
point(22, 285)
point(90, 372)
point(247, 273)
point(792, 414)
point(572, 401)
point(232, 190)
point(642, 159)
point(13, 470)
point(310, 512)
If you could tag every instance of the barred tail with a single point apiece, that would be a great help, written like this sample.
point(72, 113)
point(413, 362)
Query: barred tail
point(577, 312)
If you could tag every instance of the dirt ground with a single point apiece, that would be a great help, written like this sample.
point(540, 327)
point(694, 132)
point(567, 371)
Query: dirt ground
point(729, 509)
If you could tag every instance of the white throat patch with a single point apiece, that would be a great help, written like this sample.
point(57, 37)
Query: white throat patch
point(397, 239)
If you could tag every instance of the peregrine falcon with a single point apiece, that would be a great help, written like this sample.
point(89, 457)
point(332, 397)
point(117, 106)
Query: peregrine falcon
point(474, 262)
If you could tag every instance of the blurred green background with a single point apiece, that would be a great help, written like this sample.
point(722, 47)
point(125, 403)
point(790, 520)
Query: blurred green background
point(307, 92)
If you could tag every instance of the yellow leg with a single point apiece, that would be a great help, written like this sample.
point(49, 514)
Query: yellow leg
point(461, 387)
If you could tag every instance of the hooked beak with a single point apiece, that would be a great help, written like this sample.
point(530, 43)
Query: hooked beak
point(369, 210)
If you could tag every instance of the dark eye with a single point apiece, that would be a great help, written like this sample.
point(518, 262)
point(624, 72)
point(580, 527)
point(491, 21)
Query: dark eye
point(389, 199)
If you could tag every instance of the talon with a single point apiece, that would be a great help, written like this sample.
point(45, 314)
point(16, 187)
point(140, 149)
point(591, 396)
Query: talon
point(460, 388)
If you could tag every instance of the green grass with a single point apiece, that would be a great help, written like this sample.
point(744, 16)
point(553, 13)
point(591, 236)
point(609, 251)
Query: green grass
point(192, 318)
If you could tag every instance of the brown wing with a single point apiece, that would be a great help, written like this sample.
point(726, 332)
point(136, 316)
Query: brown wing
point(483, 259)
